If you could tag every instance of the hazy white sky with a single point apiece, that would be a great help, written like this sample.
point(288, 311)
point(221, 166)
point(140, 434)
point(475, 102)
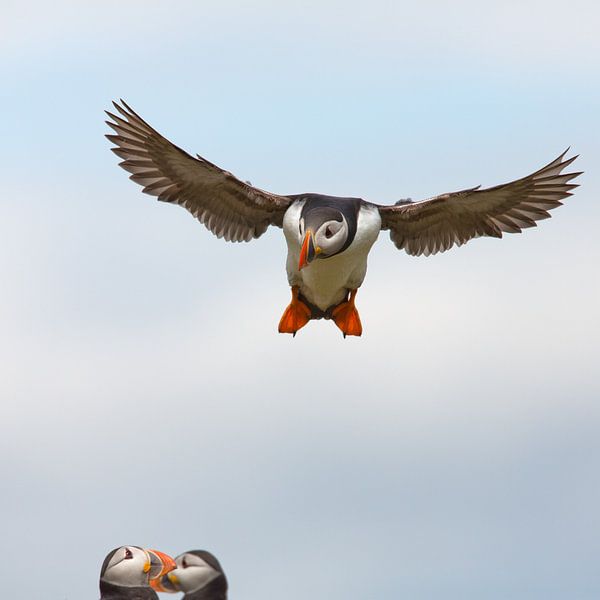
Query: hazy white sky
point(452, 452)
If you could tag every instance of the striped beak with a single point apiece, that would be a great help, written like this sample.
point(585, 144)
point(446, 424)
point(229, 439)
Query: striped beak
point(160, 564)
point(168, 583)
point(308, 251)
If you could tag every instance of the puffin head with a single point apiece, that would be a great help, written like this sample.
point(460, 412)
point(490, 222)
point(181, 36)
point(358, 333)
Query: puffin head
point(324, 231)
point(197, 570)
point(133, 567)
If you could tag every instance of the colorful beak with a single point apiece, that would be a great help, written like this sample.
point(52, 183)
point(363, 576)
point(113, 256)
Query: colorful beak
point(160, 564)
point(167, 583)
point(309, 251)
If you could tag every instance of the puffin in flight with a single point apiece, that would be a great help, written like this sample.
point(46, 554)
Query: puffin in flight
point(329, 237)
point(198, 574)
point(128, 571)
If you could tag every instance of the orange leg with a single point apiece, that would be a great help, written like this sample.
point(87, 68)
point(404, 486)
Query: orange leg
point(346, 316)
point(296, 315)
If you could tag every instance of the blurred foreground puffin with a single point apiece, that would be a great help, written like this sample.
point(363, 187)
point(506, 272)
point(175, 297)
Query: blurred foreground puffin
point(329, 238)
point(128, 571)
point(198, 575)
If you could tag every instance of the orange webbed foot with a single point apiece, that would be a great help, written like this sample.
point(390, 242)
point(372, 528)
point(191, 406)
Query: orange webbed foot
point(346, 317)
point(296, 315)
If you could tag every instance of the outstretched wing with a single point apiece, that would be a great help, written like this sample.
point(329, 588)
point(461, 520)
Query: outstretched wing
point(437, 224)
point(227, 206)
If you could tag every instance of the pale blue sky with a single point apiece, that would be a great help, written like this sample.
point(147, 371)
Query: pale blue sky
point(451, 453)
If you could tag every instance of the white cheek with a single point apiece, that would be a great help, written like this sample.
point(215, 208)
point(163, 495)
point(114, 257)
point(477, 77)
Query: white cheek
point(291, 222)
point(332, 244)
point(195, 578)
point(128, 573)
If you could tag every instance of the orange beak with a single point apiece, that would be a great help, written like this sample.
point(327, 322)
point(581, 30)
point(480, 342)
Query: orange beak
point(309, 251)
point(169, 583)
point(160, 564)
point(157, 586)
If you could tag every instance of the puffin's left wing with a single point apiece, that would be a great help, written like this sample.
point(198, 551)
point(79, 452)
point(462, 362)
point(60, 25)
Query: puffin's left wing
point(437, 224)
point(227, 206)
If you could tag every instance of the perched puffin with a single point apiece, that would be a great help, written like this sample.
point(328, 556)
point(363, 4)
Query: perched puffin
point(198, 575)
point(128, 571)
point(329, 238)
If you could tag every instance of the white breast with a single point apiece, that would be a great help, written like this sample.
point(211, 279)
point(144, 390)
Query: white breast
point(325, 282)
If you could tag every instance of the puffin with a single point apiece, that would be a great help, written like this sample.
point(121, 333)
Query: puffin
point(128, 571)
point(198, 574)
point(328, 237)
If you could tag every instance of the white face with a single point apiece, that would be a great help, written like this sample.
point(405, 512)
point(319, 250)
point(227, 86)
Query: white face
point(192, 573)
point(128, 567)
point(329, 237)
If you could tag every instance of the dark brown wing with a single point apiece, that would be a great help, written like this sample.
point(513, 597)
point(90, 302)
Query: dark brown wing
point(437, 224)
point(227, 206)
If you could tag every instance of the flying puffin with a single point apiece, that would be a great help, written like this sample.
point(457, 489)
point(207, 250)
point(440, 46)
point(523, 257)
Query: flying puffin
point(128, 571)
point(329, 237)
point(198, 574)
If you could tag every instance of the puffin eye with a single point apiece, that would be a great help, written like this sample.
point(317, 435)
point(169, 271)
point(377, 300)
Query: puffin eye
point(328, 232)
point(184, 563)
point(128, 553)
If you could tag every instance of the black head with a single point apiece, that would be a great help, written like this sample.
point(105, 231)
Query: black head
point(199, 575)
point(126, 573)
point(327, 226)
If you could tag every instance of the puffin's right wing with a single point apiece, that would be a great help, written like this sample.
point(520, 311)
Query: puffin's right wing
point(437, 224)
point(227, 206)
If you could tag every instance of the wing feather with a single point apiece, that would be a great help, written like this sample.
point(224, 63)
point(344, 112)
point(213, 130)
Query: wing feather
point(228, 207)
point(439, 223)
